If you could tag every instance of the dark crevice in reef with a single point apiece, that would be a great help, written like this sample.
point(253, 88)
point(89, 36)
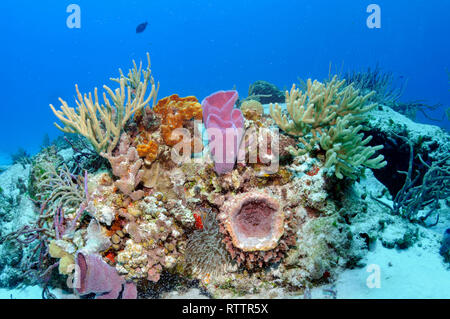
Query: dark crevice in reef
point(396, 153)
point(167, 283)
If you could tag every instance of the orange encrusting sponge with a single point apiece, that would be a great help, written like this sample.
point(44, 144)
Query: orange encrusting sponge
point(173, 111)
point(148, 150)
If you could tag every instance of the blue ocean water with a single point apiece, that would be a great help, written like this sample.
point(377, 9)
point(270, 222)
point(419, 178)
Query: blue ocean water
point(198, 47)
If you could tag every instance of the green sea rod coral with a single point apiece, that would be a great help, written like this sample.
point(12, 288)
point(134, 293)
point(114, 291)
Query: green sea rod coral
point(346, 149)
point(320, 106)
point(327, 115)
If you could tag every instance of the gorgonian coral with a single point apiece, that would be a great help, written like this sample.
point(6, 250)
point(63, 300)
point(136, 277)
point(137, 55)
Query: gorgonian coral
point(59, 188)
point(101, 124)
point(328, 116)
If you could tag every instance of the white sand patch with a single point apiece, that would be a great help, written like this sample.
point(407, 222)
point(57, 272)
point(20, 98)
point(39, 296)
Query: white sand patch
point(33, 292)
point(192, 293)
point(29, 292)
point(417, 272)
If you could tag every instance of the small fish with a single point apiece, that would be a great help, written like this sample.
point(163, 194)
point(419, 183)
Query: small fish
point(141, 28)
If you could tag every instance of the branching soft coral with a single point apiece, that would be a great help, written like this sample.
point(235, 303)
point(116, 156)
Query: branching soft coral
point(59, 188)
point(103, 124)
point(320, 106)
point(346, 149)
point(328, 115)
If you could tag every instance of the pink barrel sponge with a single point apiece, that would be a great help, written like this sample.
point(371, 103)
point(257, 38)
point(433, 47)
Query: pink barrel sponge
point(97, 277)
point(225, 127)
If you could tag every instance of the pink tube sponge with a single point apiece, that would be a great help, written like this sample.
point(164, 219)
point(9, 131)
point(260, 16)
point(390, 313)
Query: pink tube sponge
point(225, 127)
point(97, 277)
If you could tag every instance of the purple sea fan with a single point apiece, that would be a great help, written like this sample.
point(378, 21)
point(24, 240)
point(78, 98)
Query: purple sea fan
point(225, 127)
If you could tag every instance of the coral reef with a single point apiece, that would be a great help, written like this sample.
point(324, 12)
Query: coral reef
point(388, 91)
point(382, 83)
point(132, 262)
point(137, 214)
point(386, 126)
point(252, 109)
point(413, 197)
point(17, 216)
point(21, 157)
point(264, 92)
point(445, 247)
point(323, 246)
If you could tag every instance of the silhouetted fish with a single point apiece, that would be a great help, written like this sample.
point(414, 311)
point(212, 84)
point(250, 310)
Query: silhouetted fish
point(141, 28)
